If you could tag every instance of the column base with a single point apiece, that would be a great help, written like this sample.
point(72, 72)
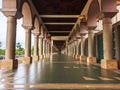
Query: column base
point(109, 64)
point(44, 56)
point(41, 57)
point(83, 58)
point(27, 60)
point(77, 56)
point(47, 55)
point(68, 54)
point(91, 60)
point(8, 64)
point(73, 55)
point(35, 58)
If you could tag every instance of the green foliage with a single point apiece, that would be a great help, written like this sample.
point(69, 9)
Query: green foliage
point(19, 49)
point(2, 52)
point(32, 51)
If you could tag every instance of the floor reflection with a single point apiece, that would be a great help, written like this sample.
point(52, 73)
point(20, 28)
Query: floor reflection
point(59, 71)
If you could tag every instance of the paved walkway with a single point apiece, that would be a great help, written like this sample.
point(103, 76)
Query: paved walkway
point(60, 72)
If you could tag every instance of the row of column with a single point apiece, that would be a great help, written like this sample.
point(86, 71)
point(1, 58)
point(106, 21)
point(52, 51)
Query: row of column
point(107, 62)
point(41, 45)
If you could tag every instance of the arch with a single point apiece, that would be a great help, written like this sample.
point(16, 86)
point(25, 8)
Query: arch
point(36, 24)
point(93, 12)
point(27, 14)
point(108, 5)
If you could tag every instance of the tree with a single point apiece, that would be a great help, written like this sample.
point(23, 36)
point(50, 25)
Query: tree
point(32, 50)
point(19, 49)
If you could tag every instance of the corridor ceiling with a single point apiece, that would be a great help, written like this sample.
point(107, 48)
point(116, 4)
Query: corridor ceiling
point(59, 16)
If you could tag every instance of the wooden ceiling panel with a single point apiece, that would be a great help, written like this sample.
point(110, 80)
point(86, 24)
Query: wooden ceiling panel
point(59, 7)
point(59, 27)
point(59, 19)
point(59, 34)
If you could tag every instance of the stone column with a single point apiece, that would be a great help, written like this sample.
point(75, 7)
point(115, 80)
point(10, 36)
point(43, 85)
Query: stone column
point(48, 49)
point(44, 48)
point(9, 62)
point(73, 46)
point(68, 50)
point(82, 57)
point(36, 49)
point(51, 47)
point(28, 58)
point(77, 49)
point(108, 62)
point(41, 48)
point(91, 59)
point(82, 45)
point(72, 49)
point(11, 38)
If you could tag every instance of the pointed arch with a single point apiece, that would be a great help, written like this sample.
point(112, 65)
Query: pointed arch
point(93, 12)
point(36, 24)
point(27, 14)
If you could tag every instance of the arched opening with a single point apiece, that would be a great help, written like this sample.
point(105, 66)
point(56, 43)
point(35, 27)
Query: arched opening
point(93, 12)
point(27, 16)
point(28, 26)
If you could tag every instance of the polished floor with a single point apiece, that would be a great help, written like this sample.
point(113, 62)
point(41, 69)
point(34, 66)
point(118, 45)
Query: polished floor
point(59, 72)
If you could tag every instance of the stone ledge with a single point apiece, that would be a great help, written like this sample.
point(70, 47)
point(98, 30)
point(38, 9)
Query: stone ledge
point(91, 60)
point(109, 64)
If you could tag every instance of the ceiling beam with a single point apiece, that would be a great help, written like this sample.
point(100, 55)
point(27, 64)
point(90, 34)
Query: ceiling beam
point(59, 16)
point(59, 37)
point(53, 23)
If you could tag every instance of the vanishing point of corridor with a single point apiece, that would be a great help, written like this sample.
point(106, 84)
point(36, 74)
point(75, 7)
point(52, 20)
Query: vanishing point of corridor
point(59, 72)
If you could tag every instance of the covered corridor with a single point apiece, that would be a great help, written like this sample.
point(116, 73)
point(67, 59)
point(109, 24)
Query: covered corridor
point(76, 45)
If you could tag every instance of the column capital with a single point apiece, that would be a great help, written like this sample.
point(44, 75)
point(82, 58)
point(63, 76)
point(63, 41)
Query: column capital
point(107, 14)
point(41, 37)
point(11, 13)
point(28, 27)
point(82, 34)
point(44, 39)
point(35, 33)
point(107, 21)
point(91, 27)
point(90, 31)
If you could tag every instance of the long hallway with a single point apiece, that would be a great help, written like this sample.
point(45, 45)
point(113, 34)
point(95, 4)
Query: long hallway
point(60, 72)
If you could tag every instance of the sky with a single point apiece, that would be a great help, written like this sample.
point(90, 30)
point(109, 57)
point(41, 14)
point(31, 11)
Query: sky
point(20, 31)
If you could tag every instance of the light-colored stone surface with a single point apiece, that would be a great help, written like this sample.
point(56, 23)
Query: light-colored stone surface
point(6, 64)
point(109, 64)
point(91, 60)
